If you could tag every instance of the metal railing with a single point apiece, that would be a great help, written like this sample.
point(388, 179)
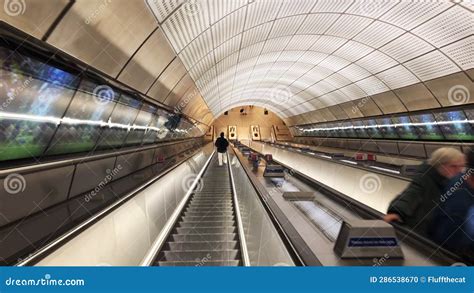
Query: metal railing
point(240, 226)
point(165, 232)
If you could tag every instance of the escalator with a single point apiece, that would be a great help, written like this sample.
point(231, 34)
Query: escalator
point(206, 232)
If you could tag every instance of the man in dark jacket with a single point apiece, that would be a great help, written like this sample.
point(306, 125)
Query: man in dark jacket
point(221, 144)
point(453, 224)
point(416, 205)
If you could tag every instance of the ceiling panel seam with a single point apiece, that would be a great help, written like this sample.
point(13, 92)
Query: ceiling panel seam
point(177, 56)
point(161, 74)
point(58, 19)
point(136, 51)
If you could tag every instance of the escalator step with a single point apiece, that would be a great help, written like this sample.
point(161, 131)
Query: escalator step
point(207, 218)
point(210, 204)
point(210, 209)
point(206, 200)
point(202, 245)
point(202, 213)
point(204, 237)
point(189, 224)
point(198, 255)
point(203, 262)
point(206, 230)
point(206, 233)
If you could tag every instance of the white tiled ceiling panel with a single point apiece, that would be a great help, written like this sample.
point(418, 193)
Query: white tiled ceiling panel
point(322, 53)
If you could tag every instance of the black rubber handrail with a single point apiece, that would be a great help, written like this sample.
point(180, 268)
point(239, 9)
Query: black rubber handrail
point(300, 259)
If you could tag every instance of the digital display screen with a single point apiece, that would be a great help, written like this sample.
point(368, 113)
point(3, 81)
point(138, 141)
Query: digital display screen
point(12, 61)
point(426, 127)
point(348, 129)
point(438, 126)
point(151, 135)
point(158, 131)
point(318, 130)
point(173, 121)
point(296, 131)
point(404, 127)
point(456, 125)
point(360, 129)
point(329, 130)
point(372, 129)
point(30, 110)
point(46, 110)
point(386, 129)
point(83, 122)
point(120, 123)
point(141, 125)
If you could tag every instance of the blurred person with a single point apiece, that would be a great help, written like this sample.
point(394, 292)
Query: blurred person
point(453, 223)
point(415, 206)
point(221, 144)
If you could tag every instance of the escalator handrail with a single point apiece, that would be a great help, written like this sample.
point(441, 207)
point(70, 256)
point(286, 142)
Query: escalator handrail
point(358, 166)
point(419, 242)
point(61, 240)
point(240, 225)
point(297, 257)
point(171, 223)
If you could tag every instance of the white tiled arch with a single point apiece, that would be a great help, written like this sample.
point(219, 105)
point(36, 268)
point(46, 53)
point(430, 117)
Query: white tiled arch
point(369, 46)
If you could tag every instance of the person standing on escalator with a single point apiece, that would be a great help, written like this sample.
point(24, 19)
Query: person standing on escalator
point(453, 224)
point(415, 207)
point(222, 144)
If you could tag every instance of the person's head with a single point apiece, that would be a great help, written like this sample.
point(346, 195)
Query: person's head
point(222, 134)
point(448, 161)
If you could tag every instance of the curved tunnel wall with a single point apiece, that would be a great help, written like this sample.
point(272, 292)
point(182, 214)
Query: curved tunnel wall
point(324, 58)
point(253, 116)
point(119, 38)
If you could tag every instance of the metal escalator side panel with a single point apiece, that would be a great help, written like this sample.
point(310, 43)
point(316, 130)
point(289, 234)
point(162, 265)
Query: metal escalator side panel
point(205, 233)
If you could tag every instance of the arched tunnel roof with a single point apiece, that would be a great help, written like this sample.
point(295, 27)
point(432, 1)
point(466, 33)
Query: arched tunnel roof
point(303, 55)
point(293, 57)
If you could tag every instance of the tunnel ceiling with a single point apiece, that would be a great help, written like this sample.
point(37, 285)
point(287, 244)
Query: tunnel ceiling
point(299, 56)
